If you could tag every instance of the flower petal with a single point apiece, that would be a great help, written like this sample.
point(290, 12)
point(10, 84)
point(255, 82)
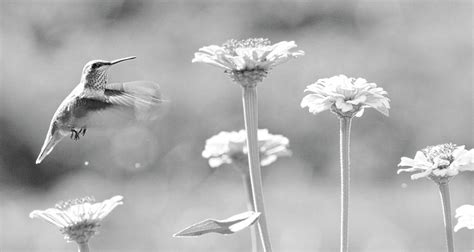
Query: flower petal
point(465, 215)
point(315, 103)
point(464, 160)
point(230, 225)
point(267, 160)
point(407, 162)
point(420, 175)
point(215, 162)
point(206, 59)
point(109, 205)
point(50, 215)
point(465, 210)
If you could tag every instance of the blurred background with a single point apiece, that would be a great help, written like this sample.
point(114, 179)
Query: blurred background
point(419, 51)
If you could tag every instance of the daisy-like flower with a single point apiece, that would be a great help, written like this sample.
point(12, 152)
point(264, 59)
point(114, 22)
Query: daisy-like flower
point(247, 61)
point(231, 147)
point(345, 96)
point(465, 215)
point(439, 162)
point(78, 219)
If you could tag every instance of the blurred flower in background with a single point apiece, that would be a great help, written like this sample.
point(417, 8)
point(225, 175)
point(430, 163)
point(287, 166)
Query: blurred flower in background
point(231, 147)
point(465, 215)
point(78, 219)
point(247, 59)
point(439, 161)
point(345, 96)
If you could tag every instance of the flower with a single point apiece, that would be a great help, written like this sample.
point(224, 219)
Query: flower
point(247, 61)
point(231, 147)
point(78, 219)
point(345, 96)
point(465, 213)
point(439, 161)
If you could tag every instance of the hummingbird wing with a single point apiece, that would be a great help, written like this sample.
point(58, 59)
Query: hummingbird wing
point(137, 100)
point(141, 96)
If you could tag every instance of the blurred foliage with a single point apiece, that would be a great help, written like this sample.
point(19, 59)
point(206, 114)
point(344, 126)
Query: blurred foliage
point(420, 52)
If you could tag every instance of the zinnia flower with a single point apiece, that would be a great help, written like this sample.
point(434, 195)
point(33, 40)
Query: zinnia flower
point(230, 147)
point(345, 96)
point(439, 161)
point(465, 215)
point(247, 61)
point(78, 219)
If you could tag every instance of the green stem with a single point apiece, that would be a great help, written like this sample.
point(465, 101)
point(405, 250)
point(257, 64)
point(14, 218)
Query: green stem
point(254, 234)
point(446, 202)
point(345, 134)
point(83, 247)
point(249, 96)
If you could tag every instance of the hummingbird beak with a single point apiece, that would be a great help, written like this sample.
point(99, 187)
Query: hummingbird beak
point(122, 59)
point(48, 146)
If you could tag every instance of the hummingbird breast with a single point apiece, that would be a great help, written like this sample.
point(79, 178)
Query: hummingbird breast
point(95, 80)
point(75, 112)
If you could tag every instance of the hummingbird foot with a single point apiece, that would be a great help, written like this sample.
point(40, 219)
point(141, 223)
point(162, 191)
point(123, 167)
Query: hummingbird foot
point(75, 134)
point(82, 131)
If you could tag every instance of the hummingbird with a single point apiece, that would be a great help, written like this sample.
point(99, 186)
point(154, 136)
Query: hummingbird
point(94, 99)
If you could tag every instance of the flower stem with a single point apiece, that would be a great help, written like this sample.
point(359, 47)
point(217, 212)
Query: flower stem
point(254, 234)
point(446, 202)
point(345, 134)
point(83, 247)
point(249, 96)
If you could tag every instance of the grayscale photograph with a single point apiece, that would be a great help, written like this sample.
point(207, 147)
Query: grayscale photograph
point(236, 126)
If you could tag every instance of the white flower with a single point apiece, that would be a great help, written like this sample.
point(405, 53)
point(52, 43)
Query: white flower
point(345, 96)
point(465, 215)
point(247, 60)
point(439, 161)
point(78, 219)
point(230, 147)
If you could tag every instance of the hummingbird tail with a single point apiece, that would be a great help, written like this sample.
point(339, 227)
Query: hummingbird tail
point(48, 145)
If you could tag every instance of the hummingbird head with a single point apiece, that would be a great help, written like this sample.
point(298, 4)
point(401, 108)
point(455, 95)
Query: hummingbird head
point(97, 69)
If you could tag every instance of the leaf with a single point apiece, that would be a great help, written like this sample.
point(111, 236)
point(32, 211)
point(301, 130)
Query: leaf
point(230, 225)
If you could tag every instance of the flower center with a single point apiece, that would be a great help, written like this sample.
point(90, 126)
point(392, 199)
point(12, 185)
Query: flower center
point(231, 45)
point(441, 154)
point(80, 232)
point(247, 77)
point(63, 205)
